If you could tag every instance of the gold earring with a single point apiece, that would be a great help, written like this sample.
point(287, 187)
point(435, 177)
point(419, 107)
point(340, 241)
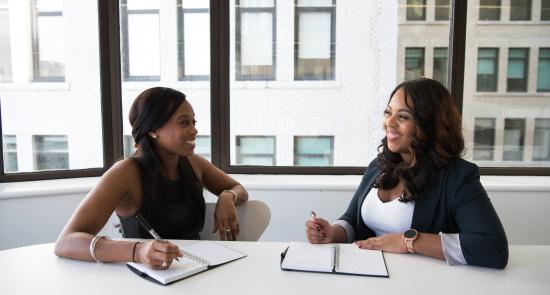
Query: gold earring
point(153, 135)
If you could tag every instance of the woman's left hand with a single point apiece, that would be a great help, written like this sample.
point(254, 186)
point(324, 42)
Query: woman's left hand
point(225, 218)
point(394, 243)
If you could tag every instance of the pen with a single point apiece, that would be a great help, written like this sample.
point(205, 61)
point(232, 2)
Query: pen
point(313, 214)
point(149, 229)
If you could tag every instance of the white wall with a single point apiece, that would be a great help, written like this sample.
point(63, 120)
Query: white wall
point(35, 212)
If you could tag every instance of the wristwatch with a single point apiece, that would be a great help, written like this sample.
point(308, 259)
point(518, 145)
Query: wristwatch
point(410, 236)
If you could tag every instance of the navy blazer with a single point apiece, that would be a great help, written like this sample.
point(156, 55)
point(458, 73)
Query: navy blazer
point(454, 202)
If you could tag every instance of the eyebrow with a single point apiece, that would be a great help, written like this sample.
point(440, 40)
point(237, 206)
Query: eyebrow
point(400, 110)
point(184, 116)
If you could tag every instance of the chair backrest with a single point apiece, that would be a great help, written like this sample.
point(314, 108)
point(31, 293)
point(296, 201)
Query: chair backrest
point(254, 217)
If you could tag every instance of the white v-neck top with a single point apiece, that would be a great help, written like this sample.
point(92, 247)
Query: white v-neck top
point(386, 218)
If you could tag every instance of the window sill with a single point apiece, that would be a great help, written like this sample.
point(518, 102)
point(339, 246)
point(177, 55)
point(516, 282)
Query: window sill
point(512, 94)
point(54, 86)
point(257, 182)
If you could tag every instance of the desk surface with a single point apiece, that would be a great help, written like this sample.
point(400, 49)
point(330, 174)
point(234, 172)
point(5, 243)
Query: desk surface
point(36, 270)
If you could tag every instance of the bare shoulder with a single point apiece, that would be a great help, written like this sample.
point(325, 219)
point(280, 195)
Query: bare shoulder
point(200, 165)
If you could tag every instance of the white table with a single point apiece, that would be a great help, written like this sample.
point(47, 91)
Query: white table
point(36, 270)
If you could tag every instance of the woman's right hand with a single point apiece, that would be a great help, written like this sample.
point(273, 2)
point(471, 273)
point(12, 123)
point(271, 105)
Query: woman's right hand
point(157, 254)
point(319, 231)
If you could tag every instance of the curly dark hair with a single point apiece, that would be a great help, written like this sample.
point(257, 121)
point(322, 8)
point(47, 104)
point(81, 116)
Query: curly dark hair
point(437, 140)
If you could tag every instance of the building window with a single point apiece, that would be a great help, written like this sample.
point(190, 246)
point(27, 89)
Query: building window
point(440, 65)
point(5, 49)
point(545, 10)
point(203, 147)
point(51, 152)
point(256, 150)
point(487, 69)
point(193, 40)
point(128, 145)
point(315, 39)
point(543, 75)
point(414, 63)
point(48, 41)
point(541, 145)
point(313, 150)
point(520, 9)
point(416, 9)
point(255, 39)
point(140, 37)
point(484, 139)
point(518, 63)
point(442, 9)
point(514, 136)
point(489, 10)
point(10, 153)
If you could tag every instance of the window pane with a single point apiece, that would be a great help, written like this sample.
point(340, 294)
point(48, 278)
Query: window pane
point(333, 77)
point(489, 10)
point(484, 139)
point(313, 151)
point(173, 50)
point(487, 69)
point(514, 134)
point(51, 152)
point(543, 80)
point(440, 65)
point(252, 150)
point(10, 153)
point(416, 9)
point(518, 59)
point(442, 9)
point(541, 145)
point(545, 10)
point(520, 9)
point(56, 125)
point(203, 147)
point(255, 56)
point(256, 3)
point(5, 49)
point(414, 63)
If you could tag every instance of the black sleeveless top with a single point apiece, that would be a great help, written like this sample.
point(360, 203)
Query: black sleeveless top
point(181, 207)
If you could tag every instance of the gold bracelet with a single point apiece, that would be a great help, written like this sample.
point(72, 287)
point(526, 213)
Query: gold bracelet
point(93, 243)
point(235, 196)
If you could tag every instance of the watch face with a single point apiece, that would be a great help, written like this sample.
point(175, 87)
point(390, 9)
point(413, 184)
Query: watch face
point(409, 234)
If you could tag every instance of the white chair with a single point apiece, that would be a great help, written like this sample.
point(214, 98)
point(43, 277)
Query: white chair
point(254, 217)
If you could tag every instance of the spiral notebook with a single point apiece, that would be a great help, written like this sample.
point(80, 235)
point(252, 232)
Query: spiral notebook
point(197, 258)
point(334, 258)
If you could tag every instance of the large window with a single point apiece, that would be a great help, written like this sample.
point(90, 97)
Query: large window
point(416, 9)
point(313, 150)
point(484, 139)
point(256, 150)
point(514, 138)
point(442, 9)
point(315, 38)
point(193, 40)
point(541, 145)
point(518, 63)
point(51, 152)
point(48, 41)
point(487, 69)
point(5, 50)
point(414, 63)
point(10, 153)
point(543, 75)
point(140, 37)
point(255, 39)
point(440, 65)
point(489, 10)
point(520, 10)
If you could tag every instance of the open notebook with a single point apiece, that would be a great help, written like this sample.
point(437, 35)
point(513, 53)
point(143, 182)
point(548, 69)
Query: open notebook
point(196, 258)
point(334, 258)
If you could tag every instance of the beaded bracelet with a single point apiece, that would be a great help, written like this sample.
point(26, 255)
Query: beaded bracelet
point(93, 243)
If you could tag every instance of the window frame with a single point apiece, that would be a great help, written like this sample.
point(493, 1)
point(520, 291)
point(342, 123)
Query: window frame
point(110, 78)
point(239, 76)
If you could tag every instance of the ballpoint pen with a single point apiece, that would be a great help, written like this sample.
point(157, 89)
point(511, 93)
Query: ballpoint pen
point(313, 214)
point(149, 229)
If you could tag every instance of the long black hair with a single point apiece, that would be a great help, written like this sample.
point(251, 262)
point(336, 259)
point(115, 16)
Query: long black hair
point(437, 140)
point(150, 111)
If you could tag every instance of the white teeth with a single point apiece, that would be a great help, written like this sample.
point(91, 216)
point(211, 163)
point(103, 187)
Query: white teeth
point(391, 135)
point(191, 142)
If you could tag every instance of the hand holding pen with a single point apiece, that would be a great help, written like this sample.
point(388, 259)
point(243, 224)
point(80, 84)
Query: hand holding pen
point(157, 254)
point(318, 230)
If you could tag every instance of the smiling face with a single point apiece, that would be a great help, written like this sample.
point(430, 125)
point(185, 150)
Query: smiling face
point(177, 136)
point(399, 125)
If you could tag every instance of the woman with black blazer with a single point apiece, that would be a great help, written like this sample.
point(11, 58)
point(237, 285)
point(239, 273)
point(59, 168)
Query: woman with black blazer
point(418, 195)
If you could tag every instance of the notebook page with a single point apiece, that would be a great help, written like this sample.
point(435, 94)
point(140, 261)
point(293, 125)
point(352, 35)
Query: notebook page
point(213, 252)
point(308, 257)
point(179, 269)
point(353, 260)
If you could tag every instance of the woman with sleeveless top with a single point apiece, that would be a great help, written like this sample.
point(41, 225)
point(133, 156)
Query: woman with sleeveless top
point(162, 183)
